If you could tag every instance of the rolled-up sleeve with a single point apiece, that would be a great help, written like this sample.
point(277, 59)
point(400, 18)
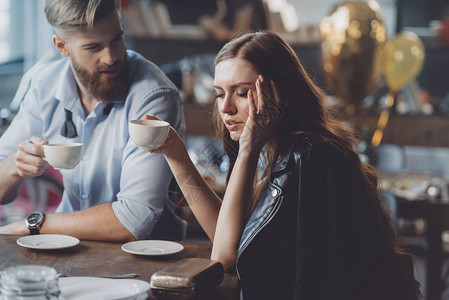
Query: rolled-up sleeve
point(141, 199)
point(145, 177)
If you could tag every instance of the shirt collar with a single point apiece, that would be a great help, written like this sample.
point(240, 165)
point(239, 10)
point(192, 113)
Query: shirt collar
point(67, 89)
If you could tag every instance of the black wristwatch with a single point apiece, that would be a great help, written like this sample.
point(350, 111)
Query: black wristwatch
point(34, 222)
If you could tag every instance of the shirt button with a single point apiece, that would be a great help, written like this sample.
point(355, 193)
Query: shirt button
point(274, 193)
point(85, 157)
point(84, 196)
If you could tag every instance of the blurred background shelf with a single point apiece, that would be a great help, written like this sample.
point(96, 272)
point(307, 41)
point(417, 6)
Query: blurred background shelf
point(199, 120)
point(166, 50)
point(409, 130)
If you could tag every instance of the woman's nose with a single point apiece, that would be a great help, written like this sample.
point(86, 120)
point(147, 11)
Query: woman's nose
point(227, 106)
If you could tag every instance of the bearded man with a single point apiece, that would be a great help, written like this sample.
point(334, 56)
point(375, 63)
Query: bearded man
point(117, 192)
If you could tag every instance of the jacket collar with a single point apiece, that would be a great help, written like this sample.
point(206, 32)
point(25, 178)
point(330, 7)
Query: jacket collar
point(283, 160)
point(308, 141)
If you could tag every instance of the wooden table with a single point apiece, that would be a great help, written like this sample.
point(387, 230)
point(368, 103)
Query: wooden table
point(90, 258)
point(436, 216)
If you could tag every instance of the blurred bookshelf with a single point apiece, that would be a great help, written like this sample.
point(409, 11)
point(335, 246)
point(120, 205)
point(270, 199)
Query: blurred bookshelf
point(219, 20)
point(163, 50)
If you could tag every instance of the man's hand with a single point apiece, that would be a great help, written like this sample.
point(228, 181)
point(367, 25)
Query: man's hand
point(26, 162)
point(29, 158)
point(18, 228)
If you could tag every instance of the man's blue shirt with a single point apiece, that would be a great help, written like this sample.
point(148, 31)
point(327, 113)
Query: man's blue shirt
point(113, 168)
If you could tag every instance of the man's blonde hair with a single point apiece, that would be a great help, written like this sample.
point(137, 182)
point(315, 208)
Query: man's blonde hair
point(68, 15)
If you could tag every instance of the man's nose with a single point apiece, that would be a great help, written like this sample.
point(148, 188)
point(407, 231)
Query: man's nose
point(108, 57)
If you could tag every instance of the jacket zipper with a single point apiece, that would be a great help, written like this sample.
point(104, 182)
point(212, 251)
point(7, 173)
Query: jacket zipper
point(256, 232)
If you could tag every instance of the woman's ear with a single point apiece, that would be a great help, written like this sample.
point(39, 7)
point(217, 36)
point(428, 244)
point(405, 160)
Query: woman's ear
point(61, 45)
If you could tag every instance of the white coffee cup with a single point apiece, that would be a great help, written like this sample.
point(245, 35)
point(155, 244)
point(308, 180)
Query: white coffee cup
point(64, 155)
point(148, 134)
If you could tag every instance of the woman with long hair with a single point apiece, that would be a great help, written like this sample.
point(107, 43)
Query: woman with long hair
point(301, 217)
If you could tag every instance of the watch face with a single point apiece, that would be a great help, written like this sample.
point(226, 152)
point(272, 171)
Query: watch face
point(35, 218)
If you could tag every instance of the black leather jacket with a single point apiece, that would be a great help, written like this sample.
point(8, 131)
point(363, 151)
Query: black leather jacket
point(313, 233)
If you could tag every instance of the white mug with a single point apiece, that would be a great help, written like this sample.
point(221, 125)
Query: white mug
point(64, 155)
point(148, 134)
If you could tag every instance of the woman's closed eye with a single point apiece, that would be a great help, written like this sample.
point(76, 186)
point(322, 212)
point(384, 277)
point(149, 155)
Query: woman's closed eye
point(242, 94)
point(218, 95)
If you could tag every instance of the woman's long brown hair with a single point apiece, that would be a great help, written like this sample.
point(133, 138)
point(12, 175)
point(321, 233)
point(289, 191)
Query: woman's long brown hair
point(301, 110)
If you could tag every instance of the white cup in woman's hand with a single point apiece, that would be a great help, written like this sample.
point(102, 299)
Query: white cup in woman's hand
point(148, 134)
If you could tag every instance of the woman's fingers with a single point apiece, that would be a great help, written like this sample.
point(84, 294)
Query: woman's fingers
point(275, 92)
point(150, 117)
point(268, 97)
point(252, 103)
point(267, 94)
point(277, 110)
point(260, 93)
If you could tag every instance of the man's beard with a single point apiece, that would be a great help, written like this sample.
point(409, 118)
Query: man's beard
point(102, 87)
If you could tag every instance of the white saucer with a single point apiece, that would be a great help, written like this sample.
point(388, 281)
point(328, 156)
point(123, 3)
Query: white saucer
point(152, 247)
point(48, 241)
point(85, 288)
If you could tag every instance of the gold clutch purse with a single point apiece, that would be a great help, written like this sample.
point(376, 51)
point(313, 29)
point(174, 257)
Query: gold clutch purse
point(187, 278)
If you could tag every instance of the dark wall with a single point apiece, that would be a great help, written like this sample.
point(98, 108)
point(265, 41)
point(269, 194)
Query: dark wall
point(434, 76)
point(418, 13)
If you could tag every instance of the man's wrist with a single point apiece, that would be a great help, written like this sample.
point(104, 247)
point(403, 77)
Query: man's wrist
point(18, 228)
point(34, 222)
point(13, 167)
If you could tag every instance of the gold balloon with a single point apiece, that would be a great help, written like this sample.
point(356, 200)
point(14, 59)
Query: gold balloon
point(404, 58)
point(353, 36)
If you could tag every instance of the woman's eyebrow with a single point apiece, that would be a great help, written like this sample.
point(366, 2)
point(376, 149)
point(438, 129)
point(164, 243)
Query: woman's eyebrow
point(241, 83)
point(236, 85)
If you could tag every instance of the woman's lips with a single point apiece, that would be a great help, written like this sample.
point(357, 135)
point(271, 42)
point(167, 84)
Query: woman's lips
point(232, 125)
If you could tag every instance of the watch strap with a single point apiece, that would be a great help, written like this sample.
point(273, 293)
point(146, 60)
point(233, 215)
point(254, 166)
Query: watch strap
point(34, 230)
